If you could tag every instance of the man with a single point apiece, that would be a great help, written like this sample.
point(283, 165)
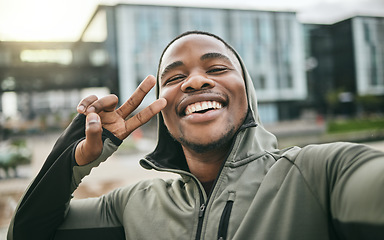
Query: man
point(234, 184)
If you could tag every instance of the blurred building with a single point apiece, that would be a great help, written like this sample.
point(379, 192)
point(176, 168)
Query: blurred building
point(346, 74)
point(41, 66)
point(44, 81)
point(330, 69)
point(271, 44)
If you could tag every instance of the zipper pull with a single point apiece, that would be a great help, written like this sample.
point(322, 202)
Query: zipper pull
point(201, 210)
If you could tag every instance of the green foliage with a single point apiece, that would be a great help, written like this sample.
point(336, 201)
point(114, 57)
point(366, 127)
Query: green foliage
point(332, 98)
point(19, 143)
point(370, 103)
point(340, 126)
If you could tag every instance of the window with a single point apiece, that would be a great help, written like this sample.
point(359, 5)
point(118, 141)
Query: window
point(60, 56)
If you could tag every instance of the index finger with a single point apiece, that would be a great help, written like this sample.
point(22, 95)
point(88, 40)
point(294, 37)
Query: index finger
point(137, 97)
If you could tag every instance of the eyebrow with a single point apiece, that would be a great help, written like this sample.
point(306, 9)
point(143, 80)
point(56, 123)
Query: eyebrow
point(216, 55)
point(207, 56)
point(171, 66)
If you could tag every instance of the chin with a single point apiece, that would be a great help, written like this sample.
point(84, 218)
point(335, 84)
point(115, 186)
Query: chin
point(199, 146)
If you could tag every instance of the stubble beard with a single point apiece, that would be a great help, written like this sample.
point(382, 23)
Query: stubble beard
point(224, 141)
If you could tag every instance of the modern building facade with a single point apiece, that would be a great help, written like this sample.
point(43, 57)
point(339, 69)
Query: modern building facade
point(368, 40)
point(334, 68)
point(349, 74)
point(270, 43)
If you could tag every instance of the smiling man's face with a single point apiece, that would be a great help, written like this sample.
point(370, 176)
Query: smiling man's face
point(202, 81)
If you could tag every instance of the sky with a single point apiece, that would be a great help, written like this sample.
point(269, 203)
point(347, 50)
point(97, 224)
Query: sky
point(64, 20)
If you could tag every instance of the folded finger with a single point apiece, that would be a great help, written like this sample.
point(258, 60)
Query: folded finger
point(137, 97)
point(85, 103)
point(107, 104)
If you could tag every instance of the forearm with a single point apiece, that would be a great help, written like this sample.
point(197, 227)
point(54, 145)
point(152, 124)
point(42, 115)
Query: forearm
point(358, 196)
point(92, 218)
point(45, 202)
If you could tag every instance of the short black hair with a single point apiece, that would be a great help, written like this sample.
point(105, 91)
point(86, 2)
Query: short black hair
point(197, 32)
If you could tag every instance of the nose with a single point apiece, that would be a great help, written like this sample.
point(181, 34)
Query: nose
point(196, 83)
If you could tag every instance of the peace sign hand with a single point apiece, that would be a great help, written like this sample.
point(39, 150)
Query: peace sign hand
point(103, 113)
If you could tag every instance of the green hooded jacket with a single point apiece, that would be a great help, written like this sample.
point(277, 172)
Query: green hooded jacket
point(318, 192)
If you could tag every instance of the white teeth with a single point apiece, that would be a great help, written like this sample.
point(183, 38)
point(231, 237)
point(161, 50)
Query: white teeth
point(198, 107)
point(210, 104)
point(204, 105)
point(201, 106)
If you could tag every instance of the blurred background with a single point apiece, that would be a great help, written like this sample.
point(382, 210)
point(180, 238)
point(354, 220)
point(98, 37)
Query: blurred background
point(317, 66)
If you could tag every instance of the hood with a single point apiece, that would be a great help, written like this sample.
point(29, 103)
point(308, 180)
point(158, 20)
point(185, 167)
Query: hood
point(251, 138)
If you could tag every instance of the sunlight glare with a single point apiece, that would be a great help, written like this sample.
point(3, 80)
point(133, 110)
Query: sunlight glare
point(43, 20)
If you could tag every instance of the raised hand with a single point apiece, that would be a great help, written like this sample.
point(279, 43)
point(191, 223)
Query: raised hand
point(103, 113)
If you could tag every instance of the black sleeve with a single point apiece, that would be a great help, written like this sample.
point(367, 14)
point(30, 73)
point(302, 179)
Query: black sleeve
point(44, 204)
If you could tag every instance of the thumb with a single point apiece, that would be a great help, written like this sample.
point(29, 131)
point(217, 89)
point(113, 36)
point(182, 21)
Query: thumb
point(90, 149)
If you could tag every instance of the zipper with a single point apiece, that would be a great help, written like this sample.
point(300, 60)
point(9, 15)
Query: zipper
point(224, 220)
point(201, 210)
point(150, 165)
point(201, 213)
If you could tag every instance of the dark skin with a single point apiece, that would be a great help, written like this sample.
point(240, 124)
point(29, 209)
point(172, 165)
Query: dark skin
point(198, 70)
point(103, 113)
point(202, 99)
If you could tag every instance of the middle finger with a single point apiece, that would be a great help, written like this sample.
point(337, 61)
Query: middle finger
point(137, 97)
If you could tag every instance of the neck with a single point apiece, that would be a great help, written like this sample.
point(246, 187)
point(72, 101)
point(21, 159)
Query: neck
point(205, 166)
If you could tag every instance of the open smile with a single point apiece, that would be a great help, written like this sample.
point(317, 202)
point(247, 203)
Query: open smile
point(201, 103)
point(202, 107)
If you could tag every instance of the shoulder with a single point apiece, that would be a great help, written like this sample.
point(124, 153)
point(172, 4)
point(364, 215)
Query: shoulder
point(148, 185)
point(337, 153)
point(330, 157)
point(335, 164)
point(334, 158)
point(328, 163)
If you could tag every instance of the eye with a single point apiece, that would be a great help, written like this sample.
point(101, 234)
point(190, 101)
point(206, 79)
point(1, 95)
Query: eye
point(174, 79)
point(218, 70)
